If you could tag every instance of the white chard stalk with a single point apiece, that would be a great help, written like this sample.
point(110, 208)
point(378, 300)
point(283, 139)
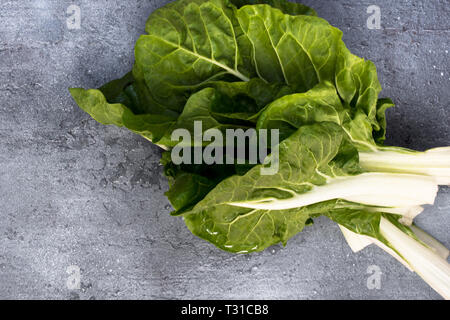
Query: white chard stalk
point(435, 245)
point(408, 213)
point(434, 162)
point(429, 261)
point(376, 189)
point(358, 242)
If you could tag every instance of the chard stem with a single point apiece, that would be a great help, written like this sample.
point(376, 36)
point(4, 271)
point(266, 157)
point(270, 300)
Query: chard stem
point(374, 189)
point(434, 162)
point(426, 262)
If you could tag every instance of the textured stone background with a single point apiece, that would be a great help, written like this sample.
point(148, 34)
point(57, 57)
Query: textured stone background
point(73, 192)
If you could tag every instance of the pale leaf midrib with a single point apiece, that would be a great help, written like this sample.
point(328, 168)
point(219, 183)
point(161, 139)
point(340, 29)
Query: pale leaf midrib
point(233, 72)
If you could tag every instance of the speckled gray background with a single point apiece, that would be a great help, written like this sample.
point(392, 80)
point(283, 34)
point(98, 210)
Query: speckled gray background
point(73, 192)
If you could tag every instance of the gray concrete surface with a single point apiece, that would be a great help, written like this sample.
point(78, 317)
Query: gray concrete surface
point(73, 192)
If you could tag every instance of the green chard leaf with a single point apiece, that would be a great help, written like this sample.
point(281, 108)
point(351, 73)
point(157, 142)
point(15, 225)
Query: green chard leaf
point(243, 230)
point(286, 7)
point(189, 44)
point(282, 45)
point(320, 104)
point(195, 45)
point(151, 126)
point(306, 159)
point(360, 221)
point(190, 183)
point(380, 132)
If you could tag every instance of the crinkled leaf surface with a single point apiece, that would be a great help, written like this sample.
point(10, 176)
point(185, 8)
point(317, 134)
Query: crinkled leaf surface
point(150, 126)
point(320, 104)
point(190, 183)
point(243, 230)
point(190, 43)
point(283, 44)
point(195, 44)
point(307, 157)
point(287, 7)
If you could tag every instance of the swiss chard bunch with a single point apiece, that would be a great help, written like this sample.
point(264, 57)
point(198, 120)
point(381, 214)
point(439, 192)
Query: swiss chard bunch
point(265, 65)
